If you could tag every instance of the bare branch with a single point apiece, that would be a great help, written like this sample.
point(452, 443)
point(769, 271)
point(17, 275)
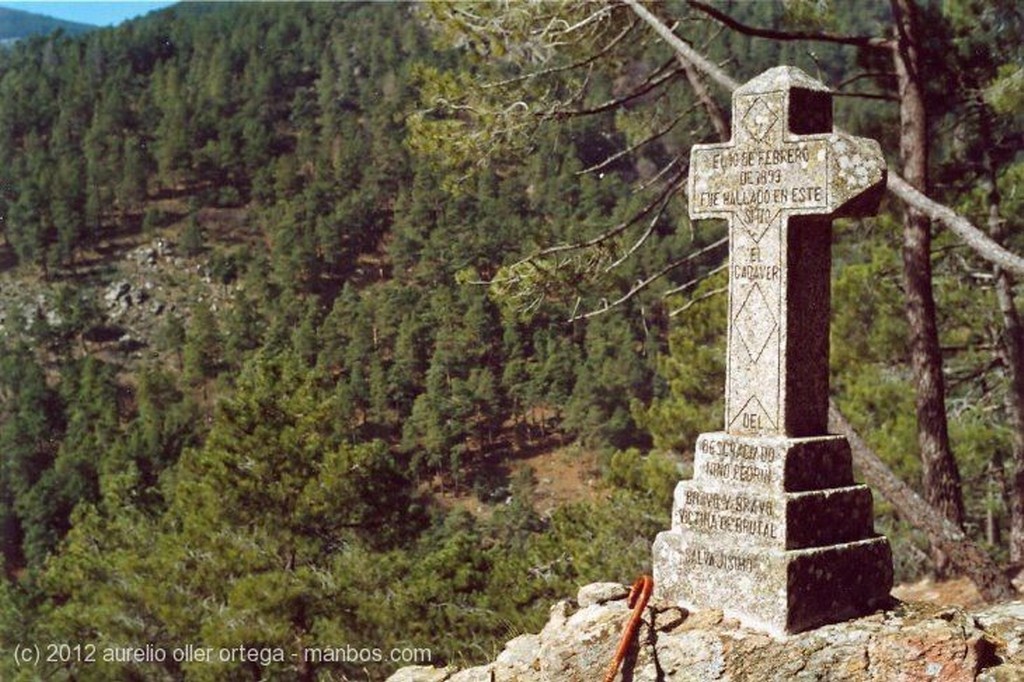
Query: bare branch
point(643, 284)
point(657, 176)
point(703, 297)
point(618, 229)
point(971, 235)
point(567, 67)
point(651, 83)
point(647, 233)
point(993, 584)
point(575, 308)
point(715, 112)
point(602, 13)
point(772, 34)
point(695, 281)
point(629, 150)
point(957, 380)
point(680, 46)
point(866, 95)
point(861, 76)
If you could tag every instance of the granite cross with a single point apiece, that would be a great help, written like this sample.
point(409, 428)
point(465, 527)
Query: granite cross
point(779, 182)
point(772, 528)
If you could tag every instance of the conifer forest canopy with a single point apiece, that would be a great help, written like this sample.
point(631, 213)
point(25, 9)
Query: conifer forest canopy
point(384, 325)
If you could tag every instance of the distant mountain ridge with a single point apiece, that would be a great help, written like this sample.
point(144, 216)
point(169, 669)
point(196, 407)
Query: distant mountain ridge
point(16, 24)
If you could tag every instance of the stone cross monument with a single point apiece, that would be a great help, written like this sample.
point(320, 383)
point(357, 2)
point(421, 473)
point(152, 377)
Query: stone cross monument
point(772, 528)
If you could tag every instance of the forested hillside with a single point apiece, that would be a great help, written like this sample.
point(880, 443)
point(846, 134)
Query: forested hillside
point(284, 309)
point(16, 24)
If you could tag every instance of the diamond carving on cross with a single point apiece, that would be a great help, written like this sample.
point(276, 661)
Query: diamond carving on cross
point(779, 182)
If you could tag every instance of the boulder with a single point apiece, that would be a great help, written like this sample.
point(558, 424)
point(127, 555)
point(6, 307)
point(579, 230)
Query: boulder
point(599, 593)
point(422, 673)
point(116, 293)
point(911, 641)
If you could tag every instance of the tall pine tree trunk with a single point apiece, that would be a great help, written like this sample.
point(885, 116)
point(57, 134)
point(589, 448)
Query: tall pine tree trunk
point(940, 472)
point(1012, 351)
point(963, 554)
point(1011, 346)
point(1013, 355)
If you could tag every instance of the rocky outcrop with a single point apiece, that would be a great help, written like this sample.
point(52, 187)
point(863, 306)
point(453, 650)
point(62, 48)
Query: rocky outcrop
point(909, 642)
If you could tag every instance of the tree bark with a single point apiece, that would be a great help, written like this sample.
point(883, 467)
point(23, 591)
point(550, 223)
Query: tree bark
point(700, 89)
point(1012, 351)
point(1013, 342)
point(974, 238)
point(941, 475)
point(963, 553)
point(1013, 355)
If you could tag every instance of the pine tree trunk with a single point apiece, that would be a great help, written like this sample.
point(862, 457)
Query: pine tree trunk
point(1012, 350)
point(1013, 358)
point(962, 552)
point(700, 89)
point(941, 476)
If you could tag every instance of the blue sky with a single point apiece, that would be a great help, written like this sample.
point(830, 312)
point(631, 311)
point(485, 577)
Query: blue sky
point(87, 12)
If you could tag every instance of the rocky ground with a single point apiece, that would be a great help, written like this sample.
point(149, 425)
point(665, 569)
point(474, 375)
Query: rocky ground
point(912, 641)
point(131, 284)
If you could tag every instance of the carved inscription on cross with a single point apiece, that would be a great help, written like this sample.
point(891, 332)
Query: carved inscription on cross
point(779, 182)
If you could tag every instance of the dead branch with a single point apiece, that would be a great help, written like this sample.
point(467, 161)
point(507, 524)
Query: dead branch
point(861, 76)
point(680, 46)
point(960, 226)
point(971, 235)
point(963, 552)
point(866, 95)
point(773, 34)
point(657, 176)
point(703, 297)
point(629, 150)
point(644, 283)
point(618, 229)
point(652, 82)
point(643, 238)
point(718, 118)
point(695, 281)
point(969, 376)
point(567, 67)
point(600, 15)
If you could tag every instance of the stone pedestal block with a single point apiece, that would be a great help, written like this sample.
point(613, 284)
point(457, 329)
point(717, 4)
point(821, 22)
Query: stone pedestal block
point(773, 531)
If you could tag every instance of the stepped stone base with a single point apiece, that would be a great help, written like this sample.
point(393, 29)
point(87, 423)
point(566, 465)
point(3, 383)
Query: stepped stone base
point(778, 592)
point(773, 531)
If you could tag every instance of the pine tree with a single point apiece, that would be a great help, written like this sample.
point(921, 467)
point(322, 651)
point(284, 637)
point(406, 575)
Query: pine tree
point(202, 352)
point(192, 239)
point(30, 435)
point(131, 190)
point(172, 133)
